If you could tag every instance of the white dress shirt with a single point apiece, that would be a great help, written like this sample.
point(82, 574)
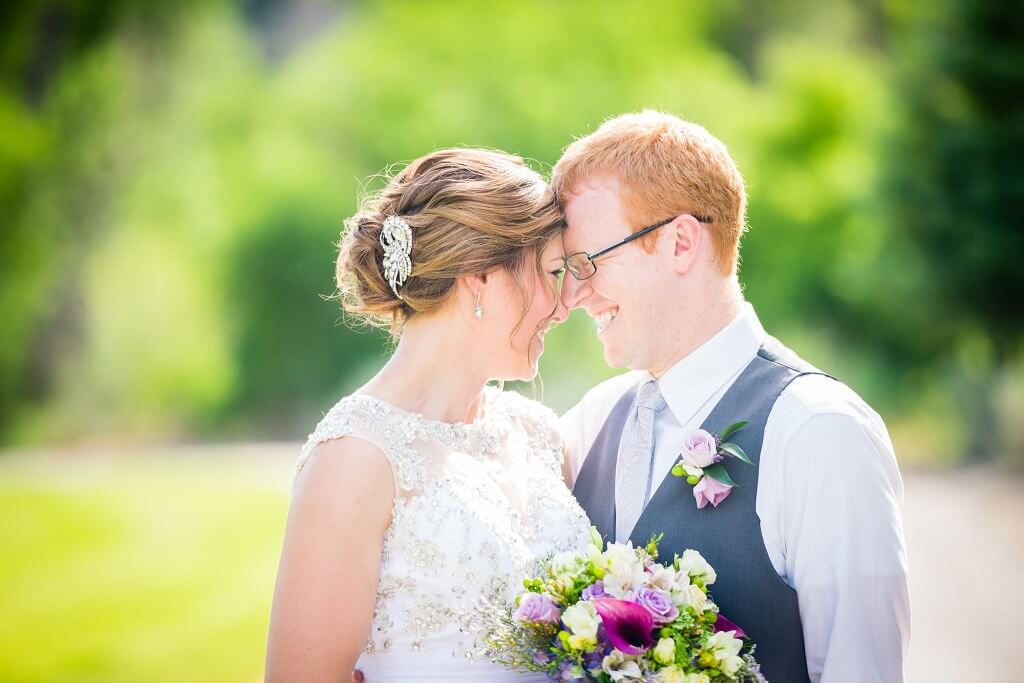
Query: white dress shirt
point(829, 498)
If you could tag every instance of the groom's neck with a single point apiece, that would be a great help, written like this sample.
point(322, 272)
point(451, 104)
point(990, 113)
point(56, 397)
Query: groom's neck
point(704, 312)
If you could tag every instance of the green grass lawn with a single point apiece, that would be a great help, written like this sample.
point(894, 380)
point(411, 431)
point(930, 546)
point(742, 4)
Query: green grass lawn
point(146, 568)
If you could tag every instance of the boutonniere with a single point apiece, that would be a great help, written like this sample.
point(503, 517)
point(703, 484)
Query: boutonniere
point(702, 465)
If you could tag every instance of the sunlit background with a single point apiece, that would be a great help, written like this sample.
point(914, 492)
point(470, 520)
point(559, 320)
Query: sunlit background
point(174, 176)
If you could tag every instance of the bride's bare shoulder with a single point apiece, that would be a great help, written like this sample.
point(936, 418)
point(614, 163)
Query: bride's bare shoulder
point(343, 463)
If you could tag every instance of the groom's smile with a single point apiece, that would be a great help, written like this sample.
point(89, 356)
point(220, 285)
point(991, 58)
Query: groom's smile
point(604, 319)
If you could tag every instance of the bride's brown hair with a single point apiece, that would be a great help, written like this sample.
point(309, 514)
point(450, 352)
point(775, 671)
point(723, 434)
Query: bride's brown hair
point(470, 210)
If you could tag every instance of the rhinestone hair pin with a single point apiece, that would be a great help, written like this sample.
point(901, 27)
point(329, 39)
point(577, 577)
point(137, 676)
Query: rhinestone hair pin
point(396, 238)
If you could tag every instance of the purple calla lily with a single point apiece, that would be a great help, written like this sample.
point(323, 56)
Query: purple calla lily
point(724, 624)
point(627, 625)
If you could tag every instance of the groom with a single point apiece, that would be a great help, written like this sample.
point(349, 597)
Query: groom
point(808, 547)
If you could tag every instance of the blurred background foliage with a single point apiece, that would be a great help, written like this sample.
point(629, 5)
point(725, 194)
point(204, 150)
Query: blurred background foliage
point(173, 179)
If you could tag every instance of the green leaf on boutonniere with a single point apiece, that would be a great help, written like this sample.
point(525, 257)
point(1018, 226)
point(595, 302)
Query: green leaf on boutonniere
point(731, 429)
point(735, 450)
point(718, 473)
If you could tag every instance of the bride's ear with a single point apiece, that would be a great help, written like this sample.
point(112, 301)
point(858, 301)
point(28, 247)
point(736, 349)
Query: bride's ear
point(477, 282)
point(472, 288)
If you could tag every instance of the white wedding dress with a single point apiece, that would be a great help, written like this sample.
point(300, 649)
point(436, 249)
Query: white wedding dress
point(476, 507)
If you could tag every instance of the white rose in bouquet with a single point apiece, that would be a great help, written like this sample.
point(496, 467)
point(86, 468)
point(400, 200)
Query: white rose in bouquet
point(694, 564)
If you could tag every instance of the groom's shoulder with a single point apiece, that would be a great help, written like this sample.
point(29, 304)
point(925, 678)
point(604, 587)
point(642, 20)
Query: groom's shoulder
point(603, 397)
point(815, 391)
point(582, 422)
point(815, 394)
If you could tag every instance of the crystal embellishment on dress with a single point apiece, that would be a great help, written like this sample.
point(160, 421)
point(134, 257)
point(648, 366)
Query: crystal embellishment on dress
point(476, 507)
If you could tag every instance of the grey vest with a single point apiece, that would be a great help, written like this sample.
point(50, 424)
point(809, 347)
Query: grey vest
point(748, 590)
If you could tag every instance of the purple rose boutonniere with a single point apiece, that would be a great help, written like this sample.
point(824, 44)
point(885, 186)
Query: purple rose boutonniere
point(702, 464)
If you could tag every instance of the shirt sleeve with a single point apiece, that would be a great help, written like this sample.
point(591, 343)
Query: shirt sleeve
point(573, 438)
point(844, 548)
point(581, 423)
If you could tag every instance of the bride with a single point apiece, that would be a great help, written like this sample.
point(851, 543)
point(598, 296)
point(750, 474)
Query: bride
point(428, 490)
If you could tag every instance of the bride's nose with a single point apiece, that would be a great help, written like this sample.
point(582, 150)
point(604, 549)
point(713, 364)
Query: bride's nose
point(561, 312)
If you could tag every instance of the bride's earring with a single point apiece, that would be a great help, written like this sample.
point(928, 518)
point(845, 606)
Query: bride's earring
point(478, 312)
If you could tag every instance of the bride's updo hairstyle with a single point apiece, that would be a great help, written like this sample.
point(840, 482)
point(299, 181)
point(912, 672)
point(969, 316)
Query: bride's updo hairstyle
point(470, 211)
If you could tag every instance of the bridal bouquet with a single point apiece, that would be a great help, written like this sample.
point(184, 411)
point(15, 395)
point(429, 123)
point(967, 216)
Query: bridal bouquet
point(615, 614)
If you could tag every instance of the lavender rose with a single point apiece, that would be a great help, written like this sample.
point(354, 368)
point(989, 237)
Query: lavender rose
point(594, 590)
point(659, 604)
point(700, 449)
point(537, 607)
point(710, 490)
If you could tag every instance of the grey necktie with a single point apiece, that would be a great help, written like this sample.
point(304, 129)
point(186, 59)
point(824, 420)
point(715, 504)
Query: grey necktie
point(633, 470)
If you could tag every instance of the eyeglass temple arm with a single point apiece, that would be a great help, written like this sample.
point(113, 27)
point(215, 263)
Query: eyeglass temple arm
point(636, 235)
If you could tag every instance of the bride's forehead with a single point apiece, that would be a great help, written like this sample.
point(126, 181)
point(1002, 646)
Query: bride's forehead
point(554, 249)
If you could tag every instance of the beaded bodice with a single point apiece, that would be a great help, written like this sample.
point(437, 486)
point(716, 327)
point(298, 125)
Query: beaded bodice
point(476, 506)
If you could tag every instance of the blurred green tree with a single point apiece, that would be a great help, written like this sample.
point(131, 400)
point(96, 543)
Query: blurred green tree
point(59, 100)
point(173, 176)
point(293, 356)
point(956, 182)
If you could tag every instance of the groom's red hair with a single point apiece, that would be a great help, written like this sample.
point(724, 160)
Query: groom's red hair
point(665, 166)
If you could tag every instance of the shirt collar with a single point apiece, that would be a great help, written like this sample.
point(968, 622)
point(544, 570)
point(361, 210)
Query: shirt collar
point(689, 383)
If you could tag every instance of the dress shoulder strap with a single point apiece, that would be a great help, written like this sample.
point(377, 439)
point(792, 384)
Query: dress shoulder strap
point(378, 423)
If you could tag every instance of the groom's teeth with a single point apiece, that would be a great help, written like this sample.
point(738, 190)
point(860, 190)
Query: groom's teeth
point(602, 320)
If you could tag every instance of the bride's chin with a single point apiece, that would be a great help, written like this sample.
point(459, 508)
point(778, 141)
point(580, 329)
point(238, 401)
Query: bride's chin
point(527, 373)
point(532, 375)
point(535, 361)
point(522, 365)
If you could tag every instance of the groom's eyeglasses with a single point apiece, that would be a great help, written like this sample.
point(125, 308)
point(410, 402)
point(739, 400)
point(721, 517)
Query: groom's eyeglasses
point(582, 265)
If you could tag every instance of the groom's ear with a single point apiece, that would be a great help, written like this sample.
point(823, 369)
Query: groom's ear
point(687, 235)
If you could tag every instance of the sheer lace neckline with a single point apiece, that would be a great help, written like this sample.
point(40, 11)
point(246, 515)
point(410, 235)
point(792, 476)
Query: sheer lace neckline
point(483, 435)
point(490, 392)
